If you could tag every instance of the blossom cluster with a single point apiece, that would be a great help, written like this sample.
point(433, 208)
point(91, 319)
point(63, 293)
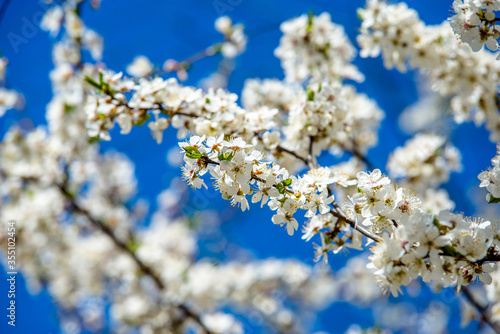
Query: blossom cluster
point(77, 34)
point(424, 161)
point(164, 102)
point(235, 40)
point(239, 171)
point(271, 93)
point(453, 70)
point(445, 249)
point(332, 116)
point(75, 210)
point(474, 23)
point(9, 99)
point(76, 207)
point(313, 47)
point(490, 179)
point(186, 108)
point(274, 115)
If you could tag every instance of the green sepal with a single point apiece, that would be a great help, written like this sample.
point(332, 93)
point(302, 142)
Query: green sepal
point(310, 17)
point(142, 120)
point(451, 251)
point(133, 244)
point(192, 152)
point(359, 15)
point(280, 187)
point(310, 94)
point(93, 140)
point(493, 200)
point(68, 108)
point(226, 156)
point(92, 82)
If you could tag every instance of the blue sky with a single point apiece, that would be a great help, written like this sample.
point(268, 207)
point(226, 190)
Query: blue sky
point(177, 29)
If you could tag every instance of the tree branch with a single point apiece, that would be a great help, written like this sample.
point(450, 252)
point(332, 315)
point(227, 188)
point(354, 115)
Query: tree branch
point(106, 230)
point(483, 310)
point(492, 256)
point(148, 271)
point(357, 227)
point(292, 153)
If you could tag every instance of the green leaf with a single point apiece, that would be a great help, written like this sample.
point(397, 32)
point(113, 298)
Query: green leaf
point(68, 108)
point(310, 94)
point(142, 120)
point(287, 182)
point(192, 152)
point(226, 156)
point(93, 140)
point(281, 188)
point(91, 82)
point(133, 245)
point(310, 21)
point(493, 200)
point(451, 251)
point(217, 48)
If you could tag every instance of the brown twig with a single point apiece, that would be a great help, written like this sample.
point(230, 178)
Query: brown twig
point(107, 230)
point(148, 271)
point(305, 160)
point(340, 215)
point(310, 157)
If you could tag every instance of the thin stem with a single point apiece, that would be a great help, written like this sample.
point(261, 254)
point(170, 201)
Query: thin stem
point(338, 212)
point(305, 160)
point(209, 51)
point(355, 226)
point(355, 152)
point(493, 255)
point(183, 65)
point(310, 157)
